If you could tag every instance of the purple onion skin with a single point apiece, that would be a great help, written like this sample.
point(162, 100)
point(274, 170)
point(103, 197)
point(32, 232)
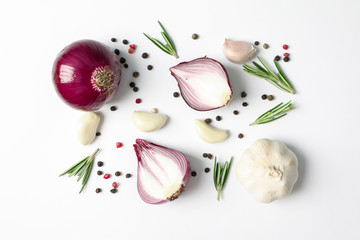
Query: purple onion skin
point(181, 91)
point(73, 70)
point(141, 145)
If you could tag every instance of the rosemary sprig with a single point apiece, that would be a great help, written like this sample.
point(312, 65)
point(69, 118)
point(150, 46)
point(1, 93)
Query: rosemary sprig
point(82, 169)
point(220, 175)
point(169, 47)
point(278, 80)
point(276, 112)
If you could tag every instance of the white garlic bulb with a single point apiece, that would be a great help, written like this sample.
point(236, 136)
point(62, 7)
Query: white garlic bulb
point(238, 51)
point(268, 170)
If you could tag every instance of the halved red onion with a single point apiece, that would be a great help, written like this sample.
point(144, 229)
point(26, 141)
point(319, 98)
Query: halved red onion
point(203, 83)
point(86, 74)
point(162, 172)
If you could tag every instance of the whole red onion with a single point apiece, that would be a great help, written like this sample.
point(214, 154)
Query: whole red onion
point(86, 74)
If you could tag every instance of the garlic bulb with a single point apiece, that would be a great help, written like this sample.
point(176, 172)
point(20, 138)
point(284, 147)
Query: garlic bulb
point(238, 51)
point(87, 126)
point(268, 170)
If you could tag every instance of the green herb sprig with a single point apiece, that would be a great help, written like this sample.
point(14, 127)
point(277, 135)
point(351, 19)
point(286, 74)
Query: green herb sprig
point(221, 173)
point(276, 112)
point(82, 169)
point(169, 47)
point(279, 80)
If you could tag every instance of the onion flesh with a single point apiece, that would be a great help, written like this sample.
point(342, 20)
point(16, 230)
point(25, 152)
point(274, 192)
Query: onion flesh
point(162, 172)
point(86, 75)
point(203, 83)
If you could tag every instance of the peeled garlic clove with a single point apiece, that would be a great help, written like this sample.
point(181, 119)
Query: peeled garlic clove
point(204, 83)
point(268, 170)
point(238, 51)
point(162, 172)
point(148, 122)
point(208, 133)
point(87, 127)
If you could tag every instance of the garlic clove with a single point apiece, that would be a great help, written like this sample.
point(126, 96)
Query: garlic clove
point(238, 51)
point(208, 133)
point(87, 127)
point(148, 122)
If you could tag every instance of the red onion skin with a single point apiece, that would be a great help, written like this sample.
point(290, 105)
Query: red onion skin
point(141, 143)
point(181, 91)
point(72, 73)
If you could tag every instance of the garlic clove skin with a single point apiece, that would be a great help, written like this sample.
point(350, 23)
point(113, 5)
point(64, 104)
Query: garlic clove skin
point(208, 133)
point(268, 170)
point(238, 51)
point(87, 127)
point(148, 122)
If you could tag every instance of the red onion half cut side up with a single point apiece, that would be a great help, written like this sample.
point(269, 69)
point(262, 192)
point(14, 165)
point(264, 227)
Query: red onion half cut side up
point(162, 172)
point(203, 83)
point(86, 75)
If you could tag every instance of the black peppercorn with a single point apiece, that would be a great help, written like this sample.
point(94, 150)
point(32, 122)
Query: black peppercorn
point(236, 112)
point(194, 36)
point(218, 118)
point(100, 164)
point(128, 175)
point(286, 59)
point(149, 67)
point(114, 190)
point(126, 65)
point(176, 94)
point(113, 108)
point(113, 39)
point(240, 135)
point(207, 120)
point(270, 97)
point(205, 155)
point(256, 43)
point(122, 60)
point(145, 55)
point(266, 46)
point(125, 41)
point(98, 190)
point(210, 156)
point(98, 134)
point(117, 173)
point(245, 104)
point(136, 74)
point(193, 173)
point(132, 84)
point(207, 170)
point(277, 58)
point(116, 51)
point(264, 96)
point(243, 94)
point(135, 89)
point(99, 172)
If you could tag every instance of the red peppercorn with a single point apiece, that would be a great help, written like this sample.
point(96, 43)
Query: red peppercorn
point(131, 50)
point(286, 54)
point(285, 46)
point(138, 100)
point(118, 144)
point(132, 46)
point(114, 184)
point(107, 176)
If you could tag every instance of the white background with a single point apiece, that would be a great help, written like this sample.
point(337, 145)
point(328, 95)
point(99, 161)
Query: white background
point(38, 141)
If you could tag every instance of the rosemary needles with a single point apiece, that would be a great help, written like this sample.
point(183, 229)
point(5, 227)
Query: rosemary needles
point(169, 47)
point(279, 80)
point(276, 112)
point(82, 169)
point(220, 175)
